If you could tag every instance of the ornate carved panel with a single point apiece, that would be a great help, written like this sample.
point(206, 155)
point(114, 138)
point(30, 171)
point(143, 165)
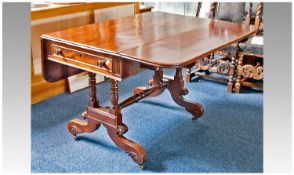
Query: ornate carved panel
point(250, 71)
point(214, 65)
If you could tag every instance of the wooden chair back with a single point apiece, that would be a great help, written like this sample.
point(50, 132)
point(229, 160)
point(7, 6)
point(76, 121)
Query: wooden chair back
point(258, 16)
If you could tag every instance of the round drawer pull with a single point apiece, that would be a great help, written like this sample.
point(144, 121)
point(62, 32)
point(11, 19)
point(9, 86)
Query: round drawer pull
point(104, 64)
point(58, 51)
point(101, 63)
point(108, 64)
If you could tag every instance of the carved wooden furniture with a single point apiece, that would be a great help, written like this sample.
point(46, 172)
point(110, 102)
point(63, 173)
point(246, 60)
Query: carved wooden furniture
point(121, 48)
point(226, 65)
point(49, 17)
point(251, 70)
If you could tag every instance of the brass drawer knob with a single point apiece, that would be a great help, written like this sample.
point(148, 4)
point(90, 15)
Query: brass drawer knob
point(101, 63)
point(104, 64)
point(58, 51)
point(108, 64)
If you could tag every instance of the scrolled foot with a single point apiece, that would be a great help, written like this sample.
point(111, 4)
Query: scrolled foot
point(195, 109)
point(77, 126)
point(177, 90)
point(134, 150)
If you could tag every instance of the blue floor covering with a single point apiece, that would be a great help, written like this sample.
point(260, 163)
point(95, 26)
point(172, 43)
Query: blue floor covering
point(228, 137)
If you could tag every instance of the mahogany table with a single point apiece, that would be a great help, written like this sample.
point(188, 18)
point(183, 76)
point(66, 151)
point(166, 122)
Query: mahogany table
point(122, 48)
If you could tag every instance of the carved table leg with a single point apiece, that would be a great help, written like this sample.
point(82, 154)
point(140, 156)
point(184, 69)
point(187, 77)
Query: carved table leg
point(77, 126)
point(157, 78)
point(239, 74)
point(177, 90)
point(134, 150)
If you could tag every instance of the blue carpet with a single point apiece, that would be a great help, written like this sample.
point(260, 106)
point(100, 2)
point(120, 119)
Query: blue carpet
point(228, 138)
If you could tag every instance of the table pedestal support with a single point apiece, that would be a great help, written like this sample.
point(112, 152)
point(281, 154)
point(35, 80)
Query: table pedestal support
point(177, 91)
point(111, 117)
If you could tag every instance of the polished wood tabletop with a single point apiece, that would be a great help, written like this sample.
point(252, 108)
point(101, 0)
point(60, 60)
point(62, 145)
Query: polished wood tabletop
point(155, 38)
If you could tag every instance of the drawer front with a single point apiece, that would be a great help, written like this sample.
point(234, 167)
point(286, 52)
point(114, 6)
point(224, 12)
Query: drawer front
point(66, 60)
point(103, 63)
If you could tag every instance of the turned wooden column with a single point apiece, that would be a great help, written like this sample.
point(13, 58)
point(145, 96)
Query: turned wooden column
point(212, 11)
point(115, 108)
point(114, 94)
point(232, 70)
point(231, 74)
point(188, 75)
point(178, 74)
point(249, 14)
point(157, 77)
point(258, 17)
point(198, 9)
point(92, 101)
point(239, 74)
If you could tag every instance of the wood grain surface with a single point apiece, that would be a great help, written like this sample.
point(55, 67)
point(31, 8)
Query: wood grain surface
point(157, 39)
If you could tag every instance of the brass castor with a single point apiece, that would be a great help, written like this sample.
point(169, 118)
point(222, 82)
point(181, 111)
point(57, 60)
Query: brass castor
point(122, 128)
point(185, 91)
point(194, 118)
point(84, 115)
point(150, 82)
point(141, 166)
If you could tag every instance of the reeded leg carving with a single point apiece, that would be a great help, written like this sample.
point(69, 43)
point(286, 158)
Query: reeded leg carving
point(134, 150)
point(77, 126)
point(157, 79)
point(239, 74)
point(177, 90)
point(231, 75)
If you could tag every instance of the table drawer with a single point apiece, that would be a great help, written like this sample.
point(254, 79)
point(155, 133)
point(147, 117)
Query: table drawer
point(101, 62)
point(62, 60)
